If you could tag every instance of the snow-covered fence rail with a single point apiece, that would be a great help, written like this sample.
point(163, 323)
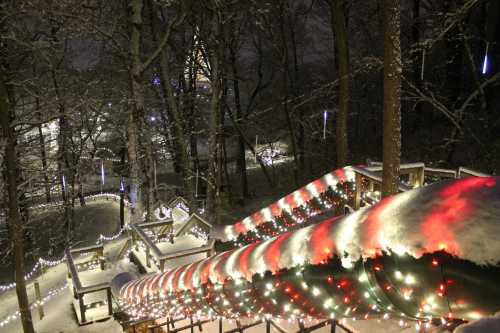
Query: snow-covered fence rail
point(89, 197)
point(79, 291)
point(466, 172)
point(153, 252)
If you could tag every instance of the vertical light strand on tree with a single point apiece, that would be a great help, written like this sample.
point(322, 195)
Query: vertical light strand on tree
point(485, 60)
point(102, 172)
point(196, 183)
point(63, 183)
point(423, 65)
point(256, 143)
point(325, 117)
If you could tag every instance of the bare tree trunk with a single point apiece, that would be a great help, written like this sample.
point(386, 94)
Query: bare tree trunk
point(64, 161)
point(338, 22)
point(289, 122)
point(122, 189)
point(136, 114)
point(135, 110)
point(180, 140)
point(294, 83)
point(417, 63)
point(191, 107)
point(43, 155)
point(392, 98)
point(16, 229)
point(148, 172)
point(43, 152)
point(241, 158)
point(213, 187)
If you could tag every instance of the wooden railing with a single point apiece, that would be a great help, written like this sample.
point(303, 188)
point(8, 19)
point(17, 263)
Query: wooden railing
point(79, 291)
point(416, 172)
point(151, 250)
point(169, 326)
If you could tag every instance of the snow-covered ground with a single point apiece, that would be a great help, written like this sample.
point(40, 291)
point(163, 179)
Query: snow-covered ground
point(96, 218)
point(59, 313)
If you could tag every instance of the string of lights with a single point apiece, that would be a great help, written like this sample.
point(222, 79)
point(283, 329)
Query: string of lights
point(50, 295)
point(112, 196)
point(103, 238)
point(332, 198)
point(380, 262)
point(41, 263)
point(297, 206)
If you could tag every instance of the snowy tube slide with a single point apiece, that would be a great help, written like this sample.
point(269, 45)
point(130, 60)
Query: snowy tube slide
point(429, 254)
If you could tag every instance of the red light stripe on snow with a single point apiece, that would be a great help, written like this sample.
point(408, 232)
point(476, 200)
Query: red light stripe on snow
point(188, 277)
point(219, 267)
point(175, 280)
point(244, 260)
point(272, 254)
point(340, 174)
point(322, 246)
point(453, 207)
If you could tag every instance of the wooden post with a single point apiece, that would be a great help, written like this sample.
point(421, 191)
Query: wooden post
point(301, 326)
point(100, 254)
point(191, 324)
point(155, 181)
point(162, 265)
point(110, 301)
point(82, 308)
point(38, 297)
point(135, 243)
point(370, 185)
point(412, 179)
point(268, 326)
point(420, 176)
point(220, 325)
point(333, 326)
point(357, 196)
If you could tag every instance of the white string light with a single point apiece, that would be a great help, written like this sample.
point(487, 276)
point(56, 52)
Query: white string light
point(113, 196)
point(112, 238)
point(325, 117)
point(51, 294)
point(199, 233)
point(485, 61)
point(102, 173)
point(39, 264)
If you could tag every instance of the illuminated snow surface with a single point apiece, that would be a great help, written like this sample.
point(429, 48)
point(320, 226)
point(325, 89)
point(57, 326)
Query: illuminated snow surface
point(468, 211)
point(459, 216)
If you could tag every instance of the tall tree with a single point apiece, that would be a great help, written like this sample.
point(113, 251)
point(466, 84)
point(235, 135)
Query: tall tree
point(285, 62)
point(338, 22)
point(216, 55)
point(136, 111)
point(176, 120)
point(392, 97)
point(136, 107)
point(14, 219)
point(241, 157)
